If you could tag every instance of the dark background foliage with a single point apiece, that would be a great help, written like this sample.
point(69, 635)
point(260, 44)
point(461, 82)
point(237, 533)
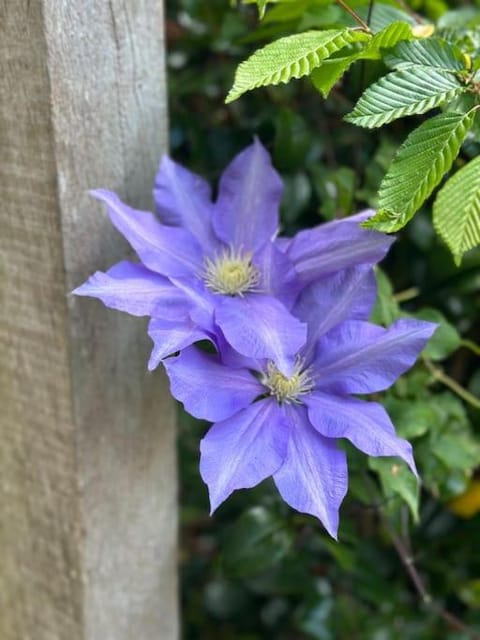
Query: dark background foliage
point(257, 570)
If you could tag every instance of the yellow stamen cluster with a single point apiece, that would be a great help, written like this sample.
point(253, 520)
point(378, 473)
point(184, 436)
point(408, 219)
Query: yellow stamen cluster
point(231, 273)
point(288, 390)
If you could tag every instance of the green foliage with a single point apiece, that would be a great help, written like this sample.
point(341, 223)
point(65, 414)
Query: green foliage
point(290, 57)
point(257, 570)
point(417, 168)
point(456, 212)
point(404, 92)
point(429, 52)
point(397, 480)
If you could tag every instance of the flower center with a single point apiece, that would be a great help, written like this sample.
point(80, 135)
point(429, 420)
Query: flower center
point(290, 389)
point(231, 273)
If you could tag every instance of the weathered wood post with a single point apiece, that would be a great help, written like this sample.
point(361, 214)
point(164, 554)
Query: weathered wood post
point(87, 462)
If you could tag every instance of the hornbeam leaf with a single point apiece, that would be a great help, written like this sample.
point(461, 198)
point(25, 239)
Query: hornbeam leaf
point(417, 168)
point(291, 57)
point(428, 52)
point(385, 39)
point(456, 211)
point(325, 77)
point(403, 93)
point(330, 71)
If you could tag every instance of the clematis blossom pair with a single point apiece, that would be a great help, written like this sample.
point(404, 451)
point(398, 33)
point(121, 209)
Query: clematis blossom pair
point(288, 318)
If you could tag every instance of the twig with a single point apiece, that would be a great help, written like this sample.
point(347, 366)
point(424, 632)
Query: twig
point(408, 562)
point(354, 15)
point(441, 376)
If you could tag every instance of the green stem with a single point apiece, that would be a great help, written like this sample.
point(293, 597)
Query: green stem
point(408, 294)
point(470, 344)
point(441, 376)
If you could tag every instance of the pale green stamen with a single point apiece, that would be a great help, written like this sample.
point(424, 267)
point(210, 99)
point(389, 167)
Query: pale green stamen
point(231, 273)
point(288, 390)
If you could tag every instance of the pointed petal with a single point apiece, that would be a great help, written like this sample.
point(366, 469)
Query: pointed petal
point(171, 336)
point(359, 357)
point(183, 199)
point(137, 290)
point(314, 477)
point(336, 245)
point(167, 250)
point(261, 327)
point(366, 424)
point(240, 452)
point(350, 293)
point(246, 212)
point(208, 389)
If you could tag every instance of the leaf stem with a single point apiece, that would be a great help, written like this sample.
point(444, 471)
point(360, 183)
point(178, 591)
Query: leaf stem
point(354, 15)
point(440, 375)
point(470, 344)
point(407, 294)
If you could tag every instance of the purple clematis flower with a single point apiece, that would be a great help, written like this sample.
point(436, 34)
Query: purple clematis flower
point(287, 426)
point(217, 268)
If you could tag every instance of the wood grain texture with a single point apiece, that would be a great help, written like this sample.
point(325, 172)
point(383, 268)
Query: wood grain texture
point(87, 456)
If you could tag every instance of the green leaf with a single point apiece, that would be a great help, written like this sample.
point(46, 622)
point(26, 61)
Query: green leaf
point(386, 309)
point(404, 92)
point(325, 77)
point(418, 166)
point(427, 52)
point(257, 541)
point(291, 57)
point(388, 37)
point(456, 211)
point(446, 338)
point(412, 419)
point(397, 479)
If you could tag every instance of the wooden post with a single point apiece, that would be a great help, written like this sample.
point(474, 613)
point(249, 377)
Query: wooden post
point(87, 459)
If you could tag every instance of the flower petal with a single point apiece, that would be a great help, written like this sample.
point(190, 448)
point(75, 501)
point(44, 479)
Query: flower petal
point(261, 327)
point(169, 251)
point(336, 245)
point(208, 389)
point(278, 276)
point(240, 452)
point(183, 199)
point(350, 293)
point(137, 290)
point(246, 212)
point(171, 336)
point(359, 357)
point(314, 477)
point(366, 424)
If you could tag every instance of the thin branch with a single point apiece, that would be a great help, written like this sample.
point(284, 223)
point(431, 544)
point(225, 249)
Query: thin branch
point(408, 562)
point(354, 15)
point(441, 376)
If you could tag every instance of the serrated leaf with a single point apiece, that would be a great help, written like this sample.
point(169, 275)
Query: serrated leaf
point(456, 211)
point(429, 52)
point(404, 92)
point(418, 166)
point(388, 37)
point(290, 57)
point(325, 77)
